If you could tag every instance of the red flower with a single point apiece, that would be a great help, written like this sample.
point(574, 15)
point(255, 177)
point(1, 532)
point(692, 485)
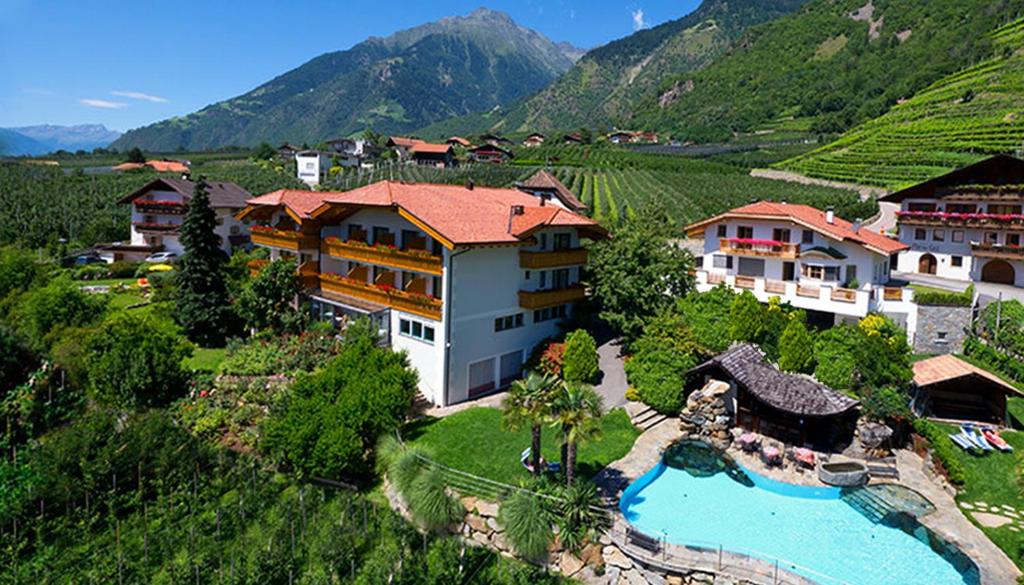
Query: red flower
point(203, 394)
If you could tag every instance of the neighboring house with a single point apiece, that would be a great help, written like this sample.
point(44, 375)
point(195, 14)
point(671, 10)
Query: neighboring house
point(158, 209)
point(312, 166)
point(288, 151)
point(966, 225)
point(467, 280)
point(402, 145)
point(490, 153)
point(947, 387)
point(458, 141)
point(544, 185)
point(535, 139)
point(160, 166)
point(351, 152)
point(833, 269)
point(573, 138)
point(622, 137)
point(434, 155)
point(495, 140)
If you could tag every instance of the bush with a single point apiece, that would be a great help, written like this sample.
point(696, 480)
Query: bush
point(943, 450)
point(287, 355)
point(945, 298)
point(18, 270)
point(43, 311)
point(580, 361)
point(707, 317)
point(659, 377)
point(552, 358)
point(885, 404)
point(796, 347)
point(527, 524)
point(136, 360)
point(266, 301)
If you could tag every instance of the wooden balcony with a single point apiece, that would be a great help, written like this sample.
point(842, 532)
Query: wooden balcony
point(413, 260)
point(153, 227)
point(760, 248)
point(844, 295)
point(808, 291)
point(284, 239)
point(157, 207)
point(984, 250)
point(1014, 222)
point(775, 286)
point(538, 299)
point(309, 274)
point(744, 281)
point(407, 301)
point(537, 260)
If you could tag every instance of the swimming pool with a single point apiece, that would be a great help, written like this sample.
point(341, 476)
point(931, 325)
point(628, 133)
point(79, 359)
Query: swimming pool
point(697, 497)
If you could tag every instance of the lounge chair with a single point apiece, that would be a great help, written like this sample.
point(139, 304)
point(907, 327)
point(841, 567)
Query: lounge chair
point(526, 459)
point(963, 442)
point(976, 437)
point(995, 440)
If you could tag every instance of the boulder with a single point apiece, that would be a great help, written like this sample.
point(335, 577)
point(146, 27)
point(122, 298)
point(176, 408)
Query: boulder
point(477, 523)
point(673, 580)
point(615, 558)
point(468, 502)
point(492, 524)
point(479, 539)
point(591, 555)
point(499, 542)
point(485, 508)
point(568, 564)
point(632, 577)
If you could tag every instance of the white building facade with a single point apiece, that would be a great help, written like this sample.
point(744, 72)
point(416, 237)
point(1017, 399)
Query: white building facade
point(312, 167)
point(466, 281)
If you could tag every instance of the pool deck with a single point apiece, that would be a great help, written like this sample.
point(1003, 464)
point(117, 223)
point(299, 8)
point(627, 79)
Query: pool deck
point(947, 520)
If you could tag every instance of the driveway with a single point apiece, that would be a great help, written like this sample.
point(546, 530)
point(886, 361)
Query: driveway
point(612, 386)
point(987, 291)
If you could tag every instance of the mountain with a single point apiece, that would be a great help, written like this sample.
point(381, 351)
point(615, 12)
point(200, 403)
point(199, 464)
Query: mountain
point(831, 65)
point(606, 84)
point(395, 84)
point(34, 140)
point(960, 119)
point(15, 144)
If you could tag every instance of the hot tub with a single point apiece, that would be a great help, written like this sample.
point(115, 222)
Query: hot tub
point(843, 473)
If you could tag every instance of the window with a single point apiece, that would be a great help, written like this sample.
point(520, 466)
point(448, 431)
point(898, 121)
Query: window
point(543, 241)
point(355, 232)
point(527, 275)
point(723, 231)
point(938, 235)
point(991, 238)
point(851, 274)
point(1013, 240)
point(1002, 209)
point(832, 273)
point(508, 322)
point(416, 330)
point(382, 235)
point(816, 272)
point(961, 208)
point(807, 237)
point(957, 236)
point(563, 241)
point(920, 234)
point(698, 262)
point(921, 207)
point(543, 279)
point(956, 261)
point(309, 166)
point(941, 337)
point(780, 235)
point(744, 231)
point(235, 230)
point(549, 313)
point(721, 261)
point(560, 278)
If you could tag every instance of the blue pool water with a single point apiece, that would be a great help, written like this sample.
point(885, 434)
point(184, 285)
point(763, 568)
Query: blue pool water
point(810, 530)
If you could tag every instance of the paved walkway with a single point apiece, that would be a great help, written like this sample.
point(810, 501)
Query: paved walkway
point(612, 386)
point(988, 291)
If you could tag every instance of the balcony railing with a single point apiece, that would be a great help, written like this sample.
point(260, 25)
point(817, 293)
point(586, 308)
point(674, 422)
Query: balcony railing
point(987, 250)
point(744, 281)
point(284, 239)
point(539, 299)
point(156, 227)
point(567, 257)
point(413, 260)
point(808, 291)
point(844, 295)
point(775, 286)
point(160, 207)
point(751, 247)
point(1014, 221)
point(410, 302)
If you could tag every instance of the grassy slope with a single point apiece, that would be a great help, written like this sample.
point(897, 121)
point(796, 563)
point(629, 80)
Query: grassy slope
point(956, 121)
point(473, 441)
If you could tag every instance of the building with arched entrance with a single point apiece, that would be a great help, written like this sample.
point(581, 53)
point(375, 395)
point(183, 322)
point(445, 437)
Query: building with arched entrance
point(965, 225)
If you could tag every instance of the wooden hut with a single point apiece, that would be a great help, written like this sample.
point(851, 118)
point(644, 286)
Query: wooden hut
point(947, 387)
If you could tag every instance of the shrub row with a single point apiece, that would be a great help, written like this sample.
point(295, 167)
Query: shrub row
point(944, 298)
point(943, 450)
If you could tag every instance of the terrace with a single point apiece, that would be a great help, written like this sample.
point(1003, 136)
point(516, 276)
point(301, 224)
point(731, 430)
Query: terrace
point(760, 248)
point(410, 258)
point(284, 239)
point(567, 257)
point(989, 250)
point(382, 294)
point(155, 227)
point(539, 299)
point(160, 207)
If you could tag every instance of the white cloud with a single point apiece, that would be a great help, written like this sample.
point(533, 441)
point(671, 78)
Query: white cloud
point(105, 104)
point(138, 95)
point(638, 19)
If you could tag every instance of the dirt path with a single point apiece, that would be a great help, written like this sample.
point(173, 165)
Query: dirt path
point(865, 192)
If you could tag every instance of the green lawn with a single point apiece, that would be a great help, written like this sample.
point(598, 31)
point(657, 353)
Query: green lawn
point(992, 478)
point(108, 282)
point(206, 359)
point(473, 441)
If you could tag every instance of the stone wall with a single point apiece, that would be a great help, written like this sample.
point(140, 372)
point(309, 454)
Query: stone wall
point(706, 417)
point(942, 330)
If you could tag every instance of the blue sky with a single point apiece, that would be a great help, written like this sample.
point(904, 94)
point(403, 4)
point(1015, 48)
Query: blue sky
point(126, 64)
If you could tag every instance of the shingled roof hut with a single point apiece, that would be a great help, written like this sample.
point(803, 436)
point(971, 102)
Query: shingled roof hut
point(790, 407)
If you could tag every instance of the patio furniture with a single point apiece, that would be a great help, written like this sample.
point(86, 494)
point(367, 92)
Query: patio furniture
point(804, 457)
point(771, 456)
point(527, 460)
point(749, 443)
point(643, 541)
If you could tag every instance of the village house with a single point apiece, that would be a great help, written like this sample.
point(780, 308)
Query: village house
point(312, 167)
point(573, 138)
point(489, 153)
point(544, 185)
point(467, 280)
point(965, 225)
point(287, 152)
point(948, 388)
point(160, 166)
point(351, 152)
point(833, 269)
point(458, 142)
point(401, 145)
point(534, 139)
point(158, 209)
point(432, 155)
point(495, 140)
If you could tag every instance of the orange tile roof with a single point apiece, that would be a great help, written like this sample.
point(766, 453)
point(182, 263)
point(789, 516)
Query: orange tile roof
point(457, 213)
point(545, 181)
point(813, 218)
point(429, 148)
point(160, 166)
point(403, 141)
point(459, 140)
point(949, 367)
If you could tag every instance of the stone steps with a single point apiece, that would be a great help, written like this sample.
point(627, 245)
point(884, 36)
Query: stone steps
point(646, 418)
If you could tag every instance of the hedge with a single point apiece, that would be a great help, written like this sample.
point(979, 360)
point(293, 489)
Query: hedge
point(942, 448)
point(945, 298)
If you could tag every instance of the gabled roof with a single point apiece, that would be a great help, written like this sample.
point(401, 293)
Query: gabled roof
point(490, 148)
point(454, 214)
point(945, 368)
point(808, 217)
point(998, 169)
point(402, 141)
point(429, 148)
point(536, 135)
point(160, 166)
point(745, 363)
point(458, 140)
point(546, 182)
point(222, 194)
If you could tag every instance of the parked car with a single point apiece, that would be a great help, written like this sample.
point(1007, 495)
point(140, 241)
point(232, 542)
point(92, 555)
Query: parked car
point(86, 259)
point(162, 257)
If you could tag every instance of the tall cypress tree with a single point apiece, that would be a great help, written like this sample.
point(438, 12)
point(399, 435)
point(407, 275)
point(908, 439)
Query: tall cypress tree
point(202, 305)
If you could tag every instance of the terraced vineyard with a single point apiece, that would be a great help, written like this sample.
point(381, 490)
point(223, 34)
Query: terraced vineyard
point(958, 120)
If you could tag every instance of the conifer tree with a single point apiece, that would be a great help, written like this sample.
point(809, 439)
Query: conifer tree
point(202, 297)
point(796, 348)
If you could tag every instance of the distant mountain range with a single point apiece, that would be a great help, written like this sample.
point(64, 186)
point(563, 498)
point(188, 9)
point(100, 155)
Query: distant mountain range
point(35, 140)
point(408, 80)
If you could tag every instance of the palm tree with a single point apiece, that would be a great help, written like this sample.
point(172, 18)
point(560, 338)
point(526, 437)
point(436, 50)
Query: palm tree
point(529, 402)
point(576, 410)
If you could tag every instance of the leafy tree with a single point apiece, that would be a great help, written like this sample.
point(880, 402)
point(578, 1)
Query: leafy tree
point(135, 156)
point(267, 301)
point(835, 355)
point(202, 307)
point(15, 361)
point(746, 318)
point(528, 403)
point(264, 152)
point(136, 360)
point(637, 272)
point(883, 355)
point(576, 412)
point(885, 404)
point(527, 524)
point(659, 376)
point(580, 361)
point(18, 270)
point(796, 347)
point(707, 317)
point(43, 311)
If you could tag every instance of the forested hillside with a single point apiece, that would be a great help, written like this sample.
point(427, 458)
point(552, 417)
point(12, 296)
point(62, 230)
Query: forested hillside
point(604, 86)
point(396, 84)
point(836, 63)
point(973, 113)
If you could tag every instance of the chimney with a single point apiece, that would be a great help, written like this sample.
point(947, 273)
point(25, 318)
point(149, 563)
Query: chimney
point(470, 184)
point(830, 214)
point(856, 225)
point(518, 210)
